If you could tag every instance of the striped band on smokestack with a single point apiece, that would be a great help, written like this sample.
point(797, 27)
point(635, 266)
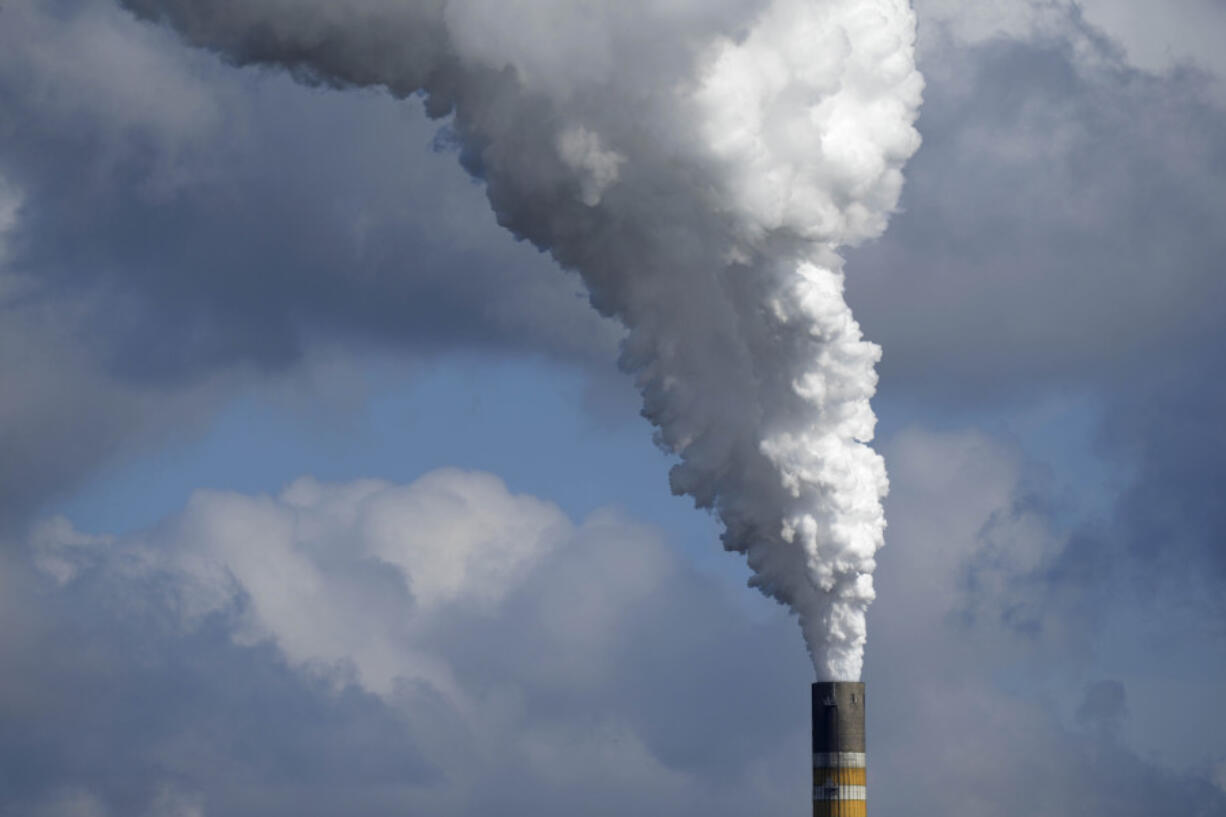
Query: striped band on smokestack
point(839, 768)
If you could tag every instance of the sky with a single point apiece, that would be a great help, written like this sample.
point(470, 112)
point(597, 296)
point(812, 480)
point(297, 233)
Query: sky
point(322, 493)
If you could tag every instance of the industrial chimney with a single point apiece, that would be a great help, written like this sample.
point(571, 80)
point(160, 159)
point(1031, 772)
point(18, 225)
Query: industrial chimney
point(838, 749)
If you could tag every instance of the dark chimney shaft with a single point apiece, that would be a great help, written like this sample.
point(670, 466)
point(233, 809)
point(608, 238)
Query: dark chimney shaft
point(838, 749)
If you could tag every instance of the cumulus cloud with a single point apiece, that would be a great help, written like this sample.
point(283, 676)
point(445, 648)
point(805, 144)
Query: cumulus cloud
point(449, 646)
point(443, 645)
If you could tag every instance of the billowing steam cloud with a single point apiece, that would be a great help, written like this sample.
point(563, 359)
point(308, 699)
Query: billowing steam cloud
point(698, 162)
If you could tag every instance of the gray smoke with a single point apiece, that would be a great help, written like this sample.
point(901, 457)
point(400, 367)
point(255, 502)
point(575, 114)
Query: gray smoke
point(699, 163)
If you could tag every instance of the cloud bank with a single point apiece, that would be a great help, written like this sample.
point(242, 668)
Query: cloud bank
point(1058, 244)
point(373, 648)
point(442, 645)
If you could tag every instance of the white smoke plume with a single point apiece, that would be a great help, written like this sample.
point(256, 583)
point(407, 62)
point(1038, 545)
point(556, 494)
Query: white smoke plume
point(699, 163)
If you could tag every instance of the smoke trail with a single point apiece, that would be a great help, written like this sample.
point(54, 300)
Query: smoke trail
point(698, 162)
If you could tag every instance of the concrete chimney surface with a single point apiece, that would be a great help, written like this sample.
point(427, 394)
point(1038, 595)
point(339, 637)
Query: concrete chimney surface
point(839, 767)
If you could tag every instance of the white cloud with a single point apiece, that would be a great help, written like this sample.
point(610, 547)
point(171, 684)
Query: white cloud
point(300, 565)
point(561, 666)
point(510, 640)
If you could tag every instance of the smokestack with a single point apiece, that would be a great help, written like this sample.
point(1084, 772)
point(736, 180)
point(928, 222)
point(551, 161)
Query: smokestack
point(838, 749)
